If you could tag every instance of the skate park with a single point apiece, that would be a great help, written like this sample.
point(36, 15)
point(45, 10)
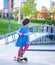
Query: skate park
point(37, 54)
point(41, 36)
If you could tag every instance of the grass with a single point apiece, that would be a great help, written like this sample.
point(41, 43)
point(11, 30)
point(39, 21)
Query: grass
point(13, 26)
point(4, 26)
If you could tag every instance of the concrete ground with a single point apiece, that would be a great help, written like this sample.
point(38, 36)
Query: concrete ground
point(7, 53)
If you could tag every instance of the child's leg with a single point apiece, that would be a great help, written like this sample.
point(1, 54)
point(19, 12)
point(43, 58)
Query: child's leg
point(25, 48)
point(19, 52)
point(22, 51)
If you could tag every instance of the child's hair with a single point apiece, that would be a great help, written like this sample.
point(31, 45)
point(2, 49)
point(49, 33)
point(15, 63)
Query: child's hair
point(26, 21)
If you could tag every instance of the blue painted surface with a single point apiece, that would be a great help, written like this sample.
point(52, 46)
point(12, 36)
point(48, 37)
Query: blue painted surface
point(6, 4)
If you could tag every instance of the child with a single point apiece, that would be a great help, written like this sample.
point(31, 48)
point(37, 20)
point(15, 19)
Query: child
point(23, 39)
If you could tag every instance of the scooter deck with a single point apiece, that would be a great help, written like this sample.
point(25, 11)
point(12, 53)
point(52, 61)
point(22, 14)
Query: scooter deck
point(21, 59)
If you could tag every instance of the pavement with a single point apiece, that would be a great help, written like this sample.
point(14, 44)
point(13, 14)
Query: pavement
point(35, 57)
point(36, 54)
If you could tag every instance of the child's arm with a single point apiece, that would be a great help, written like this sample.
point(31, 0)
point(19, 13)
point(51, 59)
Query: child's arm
point(20, 33)
point(26, 34)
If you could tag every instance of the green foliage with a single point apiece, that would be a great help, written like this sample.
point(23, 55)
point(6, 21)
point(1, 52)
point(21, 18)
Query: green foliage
point(53, 9)
point(28, 8)
point(44, 21)
point(15, 12)
point(4, 26)
point(35, 12)
point(30, 1)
